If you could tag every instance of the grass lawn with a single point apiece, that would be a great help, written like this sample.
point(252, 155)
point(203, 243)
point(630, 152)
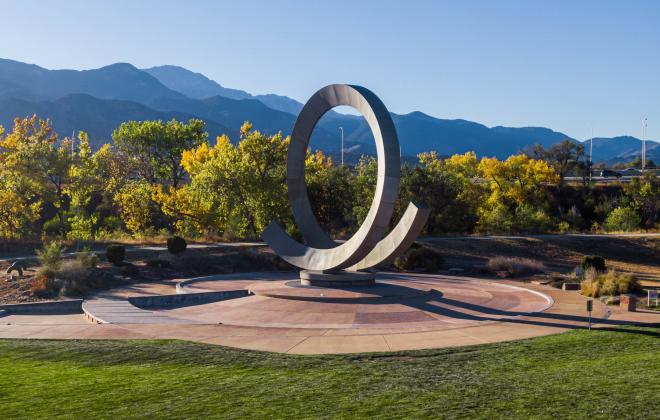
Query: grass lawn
point(580, 374)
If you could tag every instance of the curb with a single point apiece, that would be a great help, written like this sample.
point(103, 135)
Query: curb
point(186, 299)
point(73, 306)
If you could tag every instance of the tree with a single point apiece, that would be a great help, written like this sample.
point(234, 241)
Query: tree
point(366, 174)
point(567, 157)
point(447, 186)
point(643, 196)
point(135, 205)
point(240, 189)
point(16, 213)
point(36, 164)
point(155, 147)
point(516, 197)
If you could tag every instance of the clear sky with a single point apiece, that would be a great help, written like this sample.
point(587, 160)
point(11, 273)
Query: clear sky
point(567, 65)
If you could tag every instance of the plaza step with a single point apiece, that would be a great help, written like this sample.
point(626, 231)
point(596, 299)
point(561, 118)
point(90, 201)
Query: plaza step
point(119, 311)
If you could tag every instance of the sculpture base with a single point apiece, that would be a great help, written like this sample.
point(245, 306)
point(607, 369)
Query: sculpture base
point(338, 279)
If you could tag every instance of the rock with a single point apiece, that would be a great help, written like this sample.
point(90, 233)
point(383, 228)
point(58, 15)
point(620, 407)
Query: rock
point(17, 266)
point(455, 270)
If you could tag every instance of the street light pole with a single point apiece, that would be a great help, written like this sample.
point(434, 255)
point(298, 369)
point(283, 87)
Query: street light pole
point(342, 145)
point(591, 153)
point(644, 145)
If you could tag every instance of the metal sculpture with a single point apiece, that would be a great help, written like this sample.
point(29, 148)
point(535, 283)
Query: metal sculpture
point(320, 255)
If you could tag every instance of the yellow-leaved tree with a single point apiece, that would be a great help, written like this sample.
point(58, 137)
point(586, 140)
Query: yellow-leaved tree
point(233, 190)
point(516, 197)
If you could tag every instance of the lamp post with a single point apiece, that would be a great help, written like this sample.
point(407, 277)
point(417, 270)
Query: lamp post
point(342, 145)
point(591, 153)
point(644, 145)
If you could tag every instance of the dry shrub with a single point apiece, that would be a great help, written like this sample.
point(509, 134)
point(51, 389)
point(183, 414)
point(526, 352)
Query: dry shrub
point(74, 275)
point(608, 284)
point(42, 286)
point(515, 265)
point(87, 258)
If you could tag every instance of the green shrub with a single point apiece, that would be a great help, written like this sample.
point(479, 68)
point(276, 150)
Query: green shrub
point(50, 256)
point(176, 245)
point(419, 259)
point(622, 219)
point(87, 258)
point(115, 254)
point(54, 227)
point(593, 261)
point(515, 265)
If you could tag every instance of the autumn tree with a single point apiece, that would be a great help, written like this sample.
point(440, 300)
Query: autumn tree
point(155, 147)
point(18, 209)
point(515, 197)
point(447, 186)
point(37, 163)
point(237, 190)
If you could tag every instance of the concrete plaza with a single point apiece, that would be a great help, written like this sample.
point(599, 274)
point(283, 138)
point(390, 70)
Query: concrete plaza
point(403, 312)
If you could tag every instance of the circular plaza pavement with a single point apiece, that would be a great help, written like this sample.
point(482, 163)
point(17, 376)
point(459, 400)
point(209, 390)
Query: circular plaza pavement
point(273, 312)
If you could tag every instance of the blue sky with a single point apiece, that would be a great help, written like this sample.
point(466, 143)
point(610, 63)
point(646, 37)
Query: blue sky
point(567, 65)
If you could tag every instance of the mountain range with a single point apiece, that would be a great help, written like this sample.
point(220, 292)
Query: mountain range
point(98, 100)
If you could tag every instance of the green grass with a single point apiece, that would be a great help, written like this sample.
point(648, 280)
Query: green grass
point(580, 374)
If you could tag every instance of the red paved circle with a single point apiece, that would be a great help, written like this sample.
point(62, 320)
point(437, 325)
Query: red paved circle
point(408, 301)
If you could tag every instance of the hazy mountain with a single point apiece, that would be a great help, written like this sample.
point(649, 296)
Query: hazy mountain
point(197, 86)
point(193, 85)
point(116, 81)
point(622, 149)
point(98, 117)
point(98, 100)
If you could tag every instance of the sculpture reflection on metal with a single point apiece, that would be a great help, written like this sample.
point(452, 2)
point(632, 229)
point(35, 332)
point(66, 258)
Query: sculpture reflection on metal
point(367, 247)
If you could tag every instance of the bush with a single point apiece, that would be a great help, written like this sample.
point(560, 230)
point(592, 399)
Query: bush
point(609, 284)
point(87, 258)
point(73, 271)
point(54, 227)
point(50, 256)
point(515, 265)
point(176, 245)
point(115, 254)
point(74, 276)
point(593, 261)
point(42, 286)
point(622, 219)
point(419, 259)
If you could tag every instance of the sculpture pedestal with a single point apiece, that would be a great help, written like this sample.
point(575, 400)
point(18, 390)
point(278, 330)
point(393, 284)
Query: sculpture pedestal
point(337, 279)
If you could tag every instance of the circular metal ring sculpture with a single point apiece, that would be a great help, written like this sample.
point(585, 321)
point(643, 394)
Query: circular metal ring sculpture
point(367, 247)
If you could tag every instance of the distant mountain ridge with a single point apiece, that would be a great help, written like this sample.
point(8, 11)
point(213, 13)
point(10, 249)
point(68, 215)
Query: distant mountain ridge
point(98, 100)
point(197, 86)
